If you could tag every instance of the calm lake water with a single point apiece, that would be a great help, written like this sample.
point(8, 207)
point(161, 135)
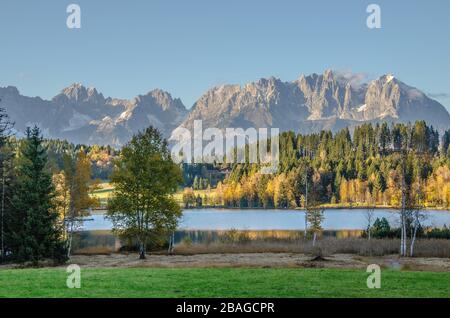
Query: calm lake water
point(248, 219)
point(211, 225)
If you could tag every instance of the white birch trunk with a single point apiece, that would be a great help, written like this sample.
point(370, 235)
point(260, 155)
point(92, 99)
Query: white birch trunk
point(306, 225)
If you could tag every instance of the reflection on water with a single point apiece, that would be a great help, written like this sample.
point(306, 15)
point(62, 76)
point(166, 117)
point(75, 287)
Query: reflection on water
point(202, 236)
point(103, 241)
point(212, 225)
point(95, 242)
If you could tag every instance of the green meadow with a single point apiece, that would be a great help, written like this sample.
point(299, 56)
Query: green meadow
point(220, 282)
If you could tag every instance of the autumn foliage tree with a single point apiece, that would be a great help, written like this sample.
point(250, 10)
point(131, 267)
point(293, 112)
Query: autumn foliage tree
point(74, 187)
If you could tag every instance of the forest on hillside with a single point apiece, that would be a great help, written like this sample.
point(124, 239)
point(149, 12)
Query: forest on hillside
point(363, 169)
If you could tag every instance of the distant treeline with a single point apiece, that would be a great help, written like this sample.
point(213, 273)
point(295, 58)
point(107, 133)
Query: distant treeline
point(382, 229)
point(101, 157)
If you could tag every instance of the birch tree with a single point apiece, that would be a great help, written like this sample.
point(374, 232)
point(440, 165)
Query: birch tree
point(314, 213)
point(315, 219)
point(416, 211)
point(369, 215)
point(144, 179)
point(417, 219)
point(405, 185)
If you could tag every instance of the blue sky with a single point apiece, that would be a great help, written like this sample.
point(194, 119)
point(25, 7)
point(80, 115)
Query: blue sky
point(125, 48)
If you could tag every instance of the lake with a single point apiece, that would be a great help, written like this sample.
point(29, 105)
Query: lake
point(258, 219)
point(211, 225)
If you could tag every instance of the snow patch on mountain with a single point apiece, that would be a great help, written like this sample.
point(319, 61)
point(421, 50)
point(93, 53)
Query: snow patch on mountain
point(362, 108)
point(389, 78)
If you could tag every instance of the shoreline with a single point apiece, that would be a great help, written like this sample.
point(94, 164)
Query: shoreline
point(430, 209)
point(437, 209)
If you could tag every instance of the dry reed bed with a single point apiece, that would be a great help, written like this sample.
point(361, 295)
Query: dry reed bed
point(325, 247)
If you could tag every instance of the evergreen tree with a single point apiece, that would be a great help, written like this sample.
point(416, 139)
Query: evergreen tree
point(384, 138)
point(196, 183)
point(34, 230)
point(446, 143)
point(380, 183)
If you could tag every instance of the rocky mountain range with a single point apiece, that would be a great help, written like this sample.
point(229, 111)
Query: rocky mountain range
point(83, 115)
point(315, 102)
point(310, 103)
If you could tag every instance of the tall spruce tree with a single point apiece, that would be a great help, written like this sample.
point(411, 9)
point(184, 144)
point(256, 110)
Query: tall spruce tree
point(35, 233)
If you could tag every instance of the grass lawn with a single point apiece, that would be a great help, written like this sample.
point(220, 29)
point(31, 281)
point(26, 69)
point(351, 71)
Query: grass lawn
point(219, 282)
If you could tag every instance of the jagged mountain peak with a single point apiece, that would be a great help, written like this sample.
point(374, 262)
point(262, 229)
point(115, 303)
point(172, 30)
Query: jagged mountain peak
point(328, 75)
point(267, 81)
point(316, 81)
point(76, 92)
point(160, 99)
point(385, 80)
point(388, 78)
point(160, 94)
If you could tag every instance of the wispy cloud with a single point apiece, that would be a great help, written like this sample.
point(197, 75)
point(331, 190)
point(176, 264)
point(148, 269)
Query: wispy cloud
point(355, 79)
